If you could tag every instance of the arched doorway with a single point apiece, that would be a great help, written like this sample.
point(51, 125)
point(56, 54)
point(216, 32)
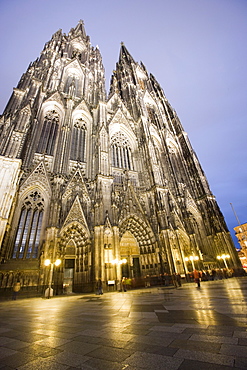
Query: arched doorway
point(138, 245)
point(129, 250)
point(76, 248)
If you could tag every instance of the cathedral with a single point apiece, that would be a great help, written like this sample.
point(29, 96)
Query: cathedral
point(102, 186)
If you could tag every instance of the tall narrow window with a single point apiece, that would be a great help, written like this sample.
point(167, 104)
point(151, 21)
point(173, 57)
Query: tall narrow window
point(153, 116)
point(29, 227)
point(121, 152)
point(49, 133)
point(78, 143)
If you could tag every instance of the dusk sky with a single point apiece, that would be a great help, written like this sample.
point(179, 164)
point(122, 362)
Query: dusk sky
point(196, 49)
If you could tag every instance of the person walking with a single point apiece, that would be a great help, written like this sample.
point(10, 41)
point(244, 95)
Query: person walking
point(124, 283)
point(100, 287)
point(197, 276)
point(16, 289)
point(178, 278)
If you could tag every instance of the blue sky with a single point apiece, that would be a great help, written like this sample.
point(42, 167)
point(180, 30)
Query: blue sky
point(196, 49)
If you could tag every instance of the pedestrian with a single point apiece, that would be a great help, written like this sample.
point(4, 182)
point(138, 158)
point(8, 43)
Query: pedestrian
point(100, 287)
point(166, 278)
point(174, 280)
point(178, 278)
point(128, 283)
point(147, 281)
point(124, 284)
point(197, 276)
point(16, 289)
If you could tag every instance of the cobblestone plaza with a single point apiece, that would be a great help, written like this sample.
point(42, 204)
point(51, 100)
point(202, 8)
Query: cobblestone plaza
point(152, 328)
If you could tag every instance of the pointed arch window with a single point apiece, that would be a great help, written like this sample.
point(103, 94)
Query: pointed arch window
point(121, 152)
point(26, 245)
point(153, 117)
point(78, 143)
point(49, 133)
point(72, 85)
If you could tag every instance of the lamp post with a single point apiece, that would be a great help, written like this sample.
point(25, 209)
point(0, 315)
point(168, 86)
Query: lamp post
point(192, 259)
point(224, 257)
point(49, 290)
point(118, 263)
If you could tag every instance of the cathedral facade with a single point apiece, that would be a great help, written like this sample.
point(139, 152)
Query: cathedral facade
point(109, 185)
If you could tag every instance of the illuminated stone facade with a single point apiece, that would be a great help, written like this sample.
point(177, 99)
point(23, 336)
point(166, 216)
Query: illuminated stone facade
point(241, 234)
point(94, 179)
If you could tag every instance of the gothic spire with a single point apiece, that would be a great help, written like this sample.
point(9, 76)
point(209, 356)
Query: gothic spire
point(79, 30)
point(125, 55)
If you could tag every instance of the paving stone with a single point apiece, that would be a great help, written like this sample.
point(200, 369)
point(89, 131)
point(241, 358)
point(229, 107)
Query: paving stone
point(153, 361)
point(43, 364)
point(99, 364)
point(167, 329)
point(28, 337)
point(70, 359)
point(213, 339)
point(5, 352)
point(112, 342)
point(40, 351)
point(16, 344)
point(195, 346)
point(88, 339)
point(117, 336)
point(222, 332)
point(164, 336)
point(52, 342)
point(241, 363)
point(78, 347)
point(154, 340)
point(205, 357)
point(111, 354)
point(242, 341)
point(5, 340)
point(137, 331)
point(198, 365)
point(240, 334)
point(234, 350)
point(18, 359)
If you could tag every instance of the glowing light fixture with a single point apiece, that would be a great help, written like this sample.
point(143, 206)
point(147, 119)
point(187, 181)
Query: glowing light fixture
point(224, 257)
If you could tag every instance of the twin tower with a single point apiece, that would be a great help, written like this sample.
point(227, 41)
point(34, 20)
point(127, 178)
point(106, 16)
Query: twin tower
point(110, 185)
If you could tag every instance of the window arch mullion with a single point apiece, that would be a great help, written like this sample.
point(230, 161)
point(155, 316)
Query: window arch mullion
point(128, 158)
point(41, 144)
point(22, 234)
point(52, 138)
point(114, 159)
point(22, 245)
point(82, 143)
point(47, 130)
point(76, 143)
point(35, 233)
point(131, 159)
point(117, 156)
point(29, 229)
point(19, 232)
point(32, 233)
point(121, 157)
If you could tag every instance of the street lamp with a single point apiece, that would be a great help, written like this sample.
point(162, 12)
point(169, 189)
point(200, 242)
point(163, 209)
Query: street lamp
point(118, 262)
point(49, 290)
point(224, 257)
point(192, 259)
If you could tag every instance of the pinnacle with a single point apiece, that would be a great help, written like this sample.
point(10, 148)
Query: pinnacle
point(124, 54)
